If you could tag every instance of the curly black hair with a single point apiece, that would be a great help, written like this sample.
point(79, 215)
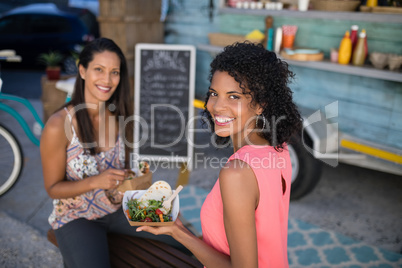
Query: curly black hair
point(265, 77)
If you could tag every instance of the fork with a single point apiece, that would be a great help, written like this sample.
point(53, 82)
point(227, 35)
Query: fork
point(167, 204)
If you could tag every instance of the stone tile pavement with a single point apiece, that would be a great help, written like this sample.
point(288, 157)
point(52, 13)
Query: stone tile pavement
point(308, 245)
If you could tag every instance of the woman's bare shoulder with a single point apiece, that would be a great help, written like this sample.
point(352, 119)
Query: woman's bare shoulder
point(57, 126)
point(238, 184)
point(237, 168)
point(57, 120)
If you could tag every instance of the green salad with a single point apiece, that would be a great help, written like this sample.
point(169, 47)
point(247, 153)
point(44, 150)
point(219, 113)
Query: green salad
point(151, 213)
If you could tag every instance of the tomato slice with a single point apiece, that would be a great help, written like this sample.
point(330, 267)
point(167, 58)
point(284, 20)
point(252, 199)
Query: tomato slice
point(158, 211)
point(147, 219)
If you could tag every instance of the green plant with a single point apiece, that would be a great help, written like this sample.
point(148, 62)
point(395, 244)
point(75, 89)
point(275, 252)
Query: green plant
point(51, 59)
point(75, 55)
point(76, 52)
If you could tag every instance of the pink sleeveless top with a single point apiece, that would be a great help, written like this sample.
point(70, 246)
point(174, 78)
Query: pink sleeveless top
point(271, 215)
point(93, 204)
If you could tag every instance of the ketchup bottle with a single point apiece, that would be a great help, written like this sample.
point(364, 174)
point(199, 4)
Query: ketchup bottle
point(354, 36)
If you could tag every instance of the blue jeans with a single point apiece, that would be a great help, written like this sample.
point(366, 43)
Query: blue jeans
point(83, 243)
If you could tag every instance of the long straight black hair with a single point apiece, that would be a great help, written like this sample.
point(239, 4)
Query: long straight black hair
point(121, 100)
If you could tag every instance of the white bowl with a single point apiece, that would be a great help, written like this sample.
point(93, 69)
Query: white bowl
point(128, 195)
point(379, 60)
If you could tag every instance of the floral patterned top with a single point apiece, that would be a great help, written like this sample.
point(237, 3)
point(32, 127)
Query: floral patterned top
point(80, 165)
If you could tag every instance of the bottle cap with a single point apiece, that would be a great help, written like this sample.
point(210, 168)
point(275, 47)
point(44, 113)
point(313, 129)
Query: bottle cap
point(355, 27)
point(362, 34)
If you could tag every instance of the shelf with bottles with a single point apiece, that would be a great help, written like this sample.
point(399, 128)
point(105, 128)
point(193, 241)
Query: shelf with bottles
point(317, 14)
point(326, 65)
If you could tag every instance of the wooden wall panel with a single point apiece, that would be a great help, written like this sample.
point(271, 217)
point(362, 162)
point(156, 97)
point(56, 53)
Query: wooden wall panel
point(369, 108)
point(190, 24)
point(320, 33)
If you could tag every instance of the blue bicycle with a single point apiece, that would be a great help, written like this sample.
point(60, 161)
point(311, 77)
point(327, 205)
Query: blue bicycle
point(11, 154)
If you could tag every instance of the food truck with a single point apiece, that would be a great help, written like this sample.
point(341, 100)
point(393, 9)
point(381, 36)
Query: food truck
point(352, 114)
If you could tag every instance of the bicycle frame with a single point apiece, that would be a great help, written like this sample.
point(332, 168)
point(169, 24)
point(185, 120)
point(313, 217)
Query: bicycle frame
point(10, 56)
point(19, 118)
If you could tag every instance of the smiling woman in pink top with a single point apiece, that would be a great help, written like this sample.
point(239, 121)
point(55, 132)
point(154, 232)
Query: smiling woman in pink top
point(244, 218)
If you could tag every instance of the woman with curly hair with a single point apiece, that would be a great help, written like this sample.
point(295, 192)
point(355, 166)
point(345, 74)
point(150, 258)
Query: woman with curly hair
point(244, 218)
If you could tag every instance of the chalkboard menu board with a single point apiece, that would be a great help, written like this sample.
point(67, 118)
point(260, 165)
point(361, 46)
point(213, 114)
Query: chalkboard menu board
point(164, 94)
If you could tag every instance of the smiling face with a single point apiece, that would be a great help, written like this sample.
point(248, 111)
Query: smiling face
point(101, 77)
point(231, 110)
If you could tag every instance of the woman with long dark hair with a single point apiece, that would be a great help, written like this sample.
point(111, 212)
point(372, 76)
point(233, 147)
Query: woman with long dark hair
point(84, 149)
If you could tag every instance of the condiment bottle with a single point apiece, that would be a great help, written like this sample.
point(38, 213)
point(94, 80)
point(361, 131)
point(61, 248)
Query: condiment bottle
point(354, 35)
point(269, 33)
point(278, 40)
point(359, 55)
point(345, 49)
point(372, 3)
point(365, 43)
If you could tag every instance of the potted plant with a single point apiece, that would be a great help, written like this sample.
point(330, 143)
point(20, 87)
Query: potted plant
point(52, 61)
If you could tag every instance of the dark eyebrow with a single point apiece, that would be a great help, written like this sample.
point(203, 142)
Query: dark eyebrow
point(100, 65)
point(234, 92)
point(230, 92)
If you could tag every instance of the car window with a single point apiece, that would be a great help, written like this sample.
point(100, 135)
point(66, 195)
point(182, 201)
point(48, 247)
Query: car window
point(12, 25)
point(49, 24)
point(92, 5)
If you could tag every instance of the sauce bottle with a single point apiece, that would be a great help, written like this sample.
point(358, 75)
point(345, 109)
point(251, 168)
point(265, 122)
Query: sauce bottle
point(345, 49)
point(359, 55)
point(354, 36)
point(365, 43)
point(269, 33)
point(372, 3)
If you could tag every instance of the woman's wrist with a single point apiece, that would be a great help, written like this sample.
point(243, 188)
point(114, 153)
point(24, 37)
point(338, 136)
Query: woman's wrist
point(181, 233)
point(91, 182)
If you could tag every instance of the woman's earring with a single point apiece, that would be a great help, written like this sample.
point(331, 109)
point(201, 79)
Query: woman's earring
point(263, 121)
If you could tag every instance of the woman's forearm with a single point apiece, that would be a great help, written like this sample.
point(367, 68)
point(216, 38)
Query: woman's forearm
point(207, 255)
point(69, 189)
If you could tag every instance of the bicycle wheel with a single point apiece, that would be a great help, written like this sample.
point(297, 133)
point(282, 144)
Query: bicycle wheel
point(10, 160)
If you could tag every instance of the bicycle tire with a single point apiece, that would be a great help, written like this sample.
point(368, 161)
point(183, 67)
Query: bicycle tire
point(11, 160)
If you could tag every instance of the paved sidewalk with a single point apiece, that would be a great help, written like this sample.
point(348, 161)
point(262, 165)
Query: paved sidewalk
point(23, 246)
point(311, 246)
point(308, 245)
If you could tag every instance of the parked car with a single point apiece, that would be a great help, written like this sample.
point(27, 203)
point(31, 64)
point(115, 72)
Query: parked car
point(4, 7)
point(92, 5)
point(39, 28)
